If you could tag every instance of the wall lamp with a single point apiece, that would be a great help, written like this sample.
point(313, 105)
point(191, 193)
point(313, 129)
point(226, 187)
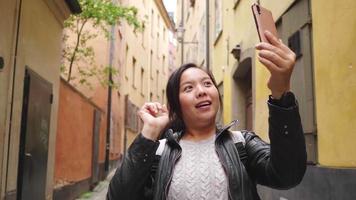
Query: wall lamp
point(1, 63)
point(180, 33)
point(236, 52)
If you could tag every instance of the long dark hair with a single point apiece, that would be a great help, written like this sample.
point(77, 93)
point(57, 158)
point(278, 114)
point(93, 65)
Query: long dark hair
point(175, 110)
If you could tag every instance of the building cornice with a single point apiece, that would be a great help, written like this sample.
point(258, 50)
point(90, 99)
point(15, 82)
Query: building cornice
point(164, 14)
point(62, 9)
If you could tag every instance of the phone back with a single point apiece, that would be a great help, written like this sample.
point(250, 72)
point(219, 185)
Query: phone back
point(264, 21)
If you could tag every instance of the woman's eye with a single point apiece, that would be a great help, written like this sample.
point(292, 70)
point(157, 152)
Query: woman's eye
point(187, 88)
point(207, 83)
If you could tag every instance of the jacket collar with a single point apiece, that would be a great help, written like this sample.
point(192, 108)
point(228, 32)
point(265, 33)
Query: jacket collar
point(174, 137)
point(226, 127)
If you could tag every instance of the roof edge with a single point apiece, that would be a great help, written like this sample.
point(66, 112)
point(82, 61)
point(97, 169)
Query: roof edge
point(74, 6)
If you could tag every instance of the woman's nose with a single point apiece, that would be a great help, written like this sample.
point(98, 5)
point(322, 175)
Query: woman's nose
point(200, 91)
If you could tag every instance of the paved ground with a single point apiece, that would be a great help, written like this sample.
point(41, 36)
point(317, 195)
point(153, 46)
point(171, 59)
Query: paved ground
point(99, 192)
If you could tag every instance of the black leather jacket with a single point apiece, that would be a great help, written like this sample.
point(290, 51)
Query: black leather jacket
point(280, 165)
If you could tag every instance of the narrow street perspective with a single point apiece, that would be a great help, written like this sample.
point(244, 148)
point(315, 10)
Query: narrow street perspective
point(82, 81)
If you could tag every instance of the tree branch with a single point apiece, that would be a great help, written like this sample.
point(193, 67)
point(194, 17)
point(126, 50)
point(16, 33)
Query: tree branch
point(75, 49)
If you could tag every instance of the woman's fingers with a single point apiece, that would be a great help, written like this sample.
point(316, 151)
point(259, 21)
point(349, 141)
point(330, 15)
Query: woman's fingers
point(273, 58)
point(272, 39)
point(276, 52)
point(269, 65)
point(279, 44)
point(154, 108)
point(164, 108)
point(269, 47)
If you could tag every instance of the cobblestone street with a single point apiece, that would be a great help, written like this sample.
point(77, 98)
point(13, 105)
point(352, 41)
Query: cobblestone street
point(99, 192)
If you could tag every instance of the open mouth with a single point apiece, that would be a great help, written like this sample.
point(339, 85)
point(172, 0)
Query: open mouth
point(203, 104)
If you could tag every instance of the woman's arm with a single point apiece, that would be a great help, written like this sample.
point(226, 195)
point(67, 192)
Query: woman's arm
point(282, 163)
point(132, 176)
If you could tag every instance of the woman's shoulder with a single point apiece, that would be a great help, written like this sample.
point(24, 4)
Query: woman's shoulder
point(238, 136)
point(243, 136)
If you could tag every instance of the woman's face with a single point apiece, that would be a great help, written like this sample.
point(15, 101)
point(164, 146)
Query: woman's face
point(198, 97)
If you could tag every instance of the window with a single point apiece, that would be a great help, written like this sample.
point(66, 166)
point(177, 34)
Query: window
point(163, 64)
point(152, 23)
point(202, 40)
point(157, 45)
point(142, 81)
point(143, 33)
point(194, 51)
point(158, 22)
point(151, 96)
point(186, 5)
point(218, 18)
point(151, 66)
point(133, 72)
point(126, 62)
point(157, 82)
point(164, 34)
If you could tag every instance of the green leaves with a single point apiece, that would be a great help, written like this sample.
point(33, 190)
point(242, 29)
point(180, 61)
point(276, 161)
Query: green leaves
point(101, 15)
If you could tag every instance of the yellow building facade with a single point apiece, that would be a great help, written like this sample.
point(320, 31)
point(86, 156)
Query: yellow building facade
point(322, 33)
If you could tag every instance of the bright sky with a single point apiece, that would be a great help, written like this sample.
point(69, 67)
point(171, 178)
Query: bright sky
point(170, 5)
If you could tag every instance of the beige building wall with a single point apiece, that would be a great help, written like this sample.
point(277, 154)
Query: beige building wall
point(38, 48)
point(7, 40)
point(144, 58)
point(193, 42)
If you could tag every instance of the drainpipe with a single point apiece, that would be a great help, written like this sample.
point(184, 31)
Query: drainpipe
point(207, 37)
point(12, 102)
point(182, 25)
point(108, 116)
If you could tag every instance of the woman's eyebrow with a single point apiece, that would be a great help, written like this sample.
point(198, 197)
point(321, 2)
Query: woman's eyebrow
point(186, 82)
point(191, 82)
point(204, 78)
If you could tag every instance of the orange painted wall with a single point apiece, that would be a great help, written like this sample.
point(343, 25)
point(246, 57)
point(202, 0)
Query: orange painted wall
point(74, 142)
point(73, 160)
point(99, 98)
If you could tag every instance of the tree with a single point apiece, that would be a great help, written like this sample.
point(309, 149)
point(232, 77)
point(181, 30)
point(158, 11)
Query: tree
point(102, 15)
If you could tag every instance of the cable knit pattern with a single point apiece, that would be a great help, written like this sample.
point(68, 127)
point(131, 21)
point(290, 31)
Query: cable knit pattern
point(198, 175)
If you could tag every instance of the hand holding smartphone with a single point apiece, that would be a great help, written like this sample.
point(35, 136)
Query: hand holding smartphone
point(264, 21)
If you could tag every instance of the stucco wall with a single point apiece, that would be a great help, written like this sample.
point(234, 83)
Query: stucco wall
point(239, 28)
point(74, 139)
point(7, 38)
point(38, 48)
point(334, 36)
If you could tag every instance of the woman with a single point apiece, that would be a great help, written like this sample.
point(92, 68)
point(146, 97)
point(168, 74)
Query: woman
point(197, 160)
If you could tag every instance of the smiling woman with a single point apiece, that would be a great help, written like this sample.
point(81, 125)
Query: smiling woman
point(192, 90)
point(194, 159)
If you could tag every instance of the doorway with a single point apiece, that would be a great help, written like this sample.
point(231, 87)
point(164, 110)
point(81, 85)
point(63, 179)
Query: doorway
point(35, 124)
point(243, 99)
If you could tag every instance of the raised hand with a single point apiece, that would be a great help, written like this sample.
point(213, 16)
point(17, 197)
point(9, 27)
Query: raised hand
point(155, 118)
point(279, 60)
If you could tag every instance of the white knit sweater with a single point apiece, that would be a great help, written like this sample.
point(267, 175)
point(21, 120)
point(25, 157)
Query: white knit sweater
point(198, 174)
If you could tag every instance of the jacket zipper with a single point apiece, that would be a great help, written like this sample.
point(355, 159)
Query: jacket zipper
point(171, 176)
point(223, 164)
point(225, 170)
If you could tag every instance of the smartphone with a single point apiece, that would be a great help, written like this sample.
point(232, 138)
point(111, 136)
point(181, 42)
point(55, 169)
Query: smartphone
point(264, 21)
